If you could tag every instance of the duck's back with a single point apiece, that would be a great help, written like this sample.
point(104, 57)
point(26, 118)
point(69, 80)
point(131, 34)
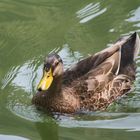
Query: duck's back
point(108, 75)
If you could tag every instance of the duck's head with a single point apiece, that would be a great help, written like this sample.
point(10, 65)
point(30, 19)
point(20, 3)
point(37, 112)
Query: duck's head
point(53, 69)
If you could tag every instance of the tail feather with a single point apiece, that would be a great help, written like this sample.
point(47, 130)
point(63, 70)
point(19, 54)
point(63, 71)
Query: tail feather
point(137, 46)
point(129, 51)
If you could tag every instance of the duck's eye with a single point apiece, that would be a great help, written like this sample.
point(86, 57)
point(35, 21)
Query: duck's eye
point(47, 67)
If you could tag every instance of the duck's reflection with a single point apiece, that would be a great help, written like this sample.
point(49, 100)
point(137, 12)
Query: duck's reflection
point(48, 130)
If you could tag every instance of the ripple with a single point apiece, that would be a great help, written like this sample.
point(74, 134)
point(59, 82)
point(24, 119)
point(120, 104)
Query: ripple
point(21, 76)
point(11, 137)
point(9, 76)
point(69, 56)
point(130, 122)
point(12, 11)
point(135, 18)
point(90, 12)
point(135, 15)
point(26, 112)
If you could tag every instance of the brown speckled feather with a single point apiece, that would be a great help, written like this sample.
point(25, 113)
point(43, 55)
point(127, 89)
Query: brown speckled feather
point(97, 84)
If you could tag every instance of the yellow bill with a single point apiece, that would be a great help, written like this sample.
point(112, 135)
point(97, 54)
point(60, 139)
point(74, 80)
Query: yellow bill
point(46, 80)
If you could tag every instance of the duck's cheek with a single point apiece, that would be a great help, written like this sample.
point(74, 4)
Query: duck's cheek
point(58, 71)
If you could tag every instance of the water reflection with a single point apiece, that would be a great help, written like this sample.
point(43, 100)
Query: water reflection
point(90, 11)
point(48, 130)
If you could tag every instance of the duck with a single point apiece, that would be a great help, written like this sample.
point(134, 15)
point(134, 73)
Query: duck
point(93, 83)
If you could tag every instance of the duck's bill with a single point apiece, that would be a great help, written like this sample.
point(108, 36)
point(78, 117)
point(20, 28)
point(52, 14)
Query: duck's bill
point(46, 80)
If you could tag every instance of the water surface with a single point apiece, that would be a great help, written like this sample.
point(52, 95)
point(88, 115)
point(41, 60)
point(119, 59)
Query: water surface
point(29, 30)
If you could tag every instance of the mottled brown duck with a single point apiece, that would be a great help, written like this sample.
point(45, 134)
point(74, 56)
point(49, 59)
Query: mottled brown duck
point(91, 84)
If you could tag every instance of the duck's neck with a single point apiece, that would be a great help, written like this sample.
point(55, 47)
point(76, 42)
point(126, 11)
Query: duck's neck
point(55, 88)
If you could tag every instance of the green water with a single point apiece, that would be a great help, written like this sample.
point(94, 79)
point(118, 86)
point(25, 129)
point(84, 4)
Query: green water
point(29, 30)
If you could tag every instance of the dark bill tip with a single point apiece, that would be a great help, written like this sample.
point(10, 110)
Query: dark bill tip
point(39, 89)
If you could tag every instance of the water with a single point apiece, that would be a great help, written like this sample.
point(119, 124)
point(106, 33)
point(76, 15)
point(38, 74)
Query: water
point(29, 30)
